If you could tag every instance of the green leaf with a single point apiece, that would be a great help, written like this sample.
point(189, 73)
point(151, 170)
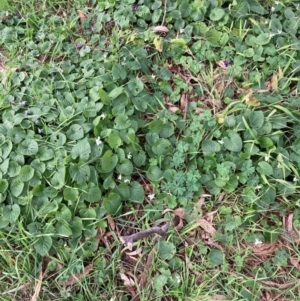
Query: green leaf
point(209, 146)
point(123, 190)
point(122, 122)
point(75, 132)
point(114, 140)
point(215, 257)
point(59, 139)
point(94, 94)
point(125, 168)
point(216, 14)
point(262, 39)
point(108, 162)
point(166, 250)
point(63, 228)
point(64, 213)
point(80, 172)
point(6, 148)
point(135, 86)
point(82, 150)
point(116, 92)
point(76, 226)
point(161, 147)
point(92, 194)
point(264, 168)
point(45, 153)
point(16, 187)
point(3, 185)
point(137, 193)
point(118, 71)
point(3, 222)
point(47, 207)
point(112, 203)
point(26, 173)
point(256, 119)
point(233, 142)
point(139, 158)
point(71, 194)
point(42, 245)
point(11, 212)
point(154, 173)
point(28, 147)
point(58, 178)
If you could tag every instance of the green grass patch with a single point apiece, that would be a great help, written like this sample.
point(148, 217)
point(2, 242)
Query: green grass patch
point(177, 117)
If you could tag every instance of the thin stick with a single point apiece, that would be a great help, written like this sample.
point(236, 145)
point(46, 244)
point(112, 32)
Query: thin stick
point(165, 12)
point(15, 289)
point(128, 240)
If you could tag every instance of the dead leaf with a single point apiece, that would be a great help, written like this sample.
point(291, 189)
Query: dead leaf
point(111, 222)
point(129, 283)
point(281, 286)
point(184, 104)
point(173, 109)
point(144, 275)
point(126, 280)
point(81, 15)
point(136, 252)
point(289, 222)
point(210, 216)
point(264, 249)
point(179, 212)
point(222, 64)
point(206, 226)
point(37, 287)
point(75, 278)
point(295, 263)
point(161, 29)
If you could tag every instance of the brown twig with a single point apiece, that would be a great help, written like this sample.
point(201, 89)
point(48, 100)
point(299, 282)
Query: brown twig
point(128, 240)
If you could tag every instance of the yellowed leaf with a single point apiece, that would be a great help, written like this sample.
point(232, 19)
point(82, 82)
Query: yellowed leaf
point(37, 287)
point(158, 43)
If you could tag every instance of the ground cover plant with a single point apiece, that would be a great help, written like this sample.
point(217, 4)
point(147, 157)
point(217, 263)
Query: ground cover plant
point(121, 120)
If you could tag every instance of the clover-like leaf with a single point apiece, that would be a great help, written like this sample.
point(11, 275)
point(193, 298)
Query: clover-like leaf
point(11, 212)
point(75, 132)
point(215, 257)
point(26, 173)
point(135, 86)
point(166, 250)
point(256, 119)
point(3, 185)
point(233, 142)
point(210, 146)
point(125, 168)
point(80, 172)
point(42, 245)
point(217, 14)
point(28, 147)
point(112, 203)
point(137, 193)
point(82, 150)
point(92, 193)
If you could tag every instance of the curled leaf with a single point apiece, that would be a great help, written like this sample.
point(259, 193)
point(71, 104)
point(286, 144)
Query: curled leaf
point(81, 15)
point(162, 29)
